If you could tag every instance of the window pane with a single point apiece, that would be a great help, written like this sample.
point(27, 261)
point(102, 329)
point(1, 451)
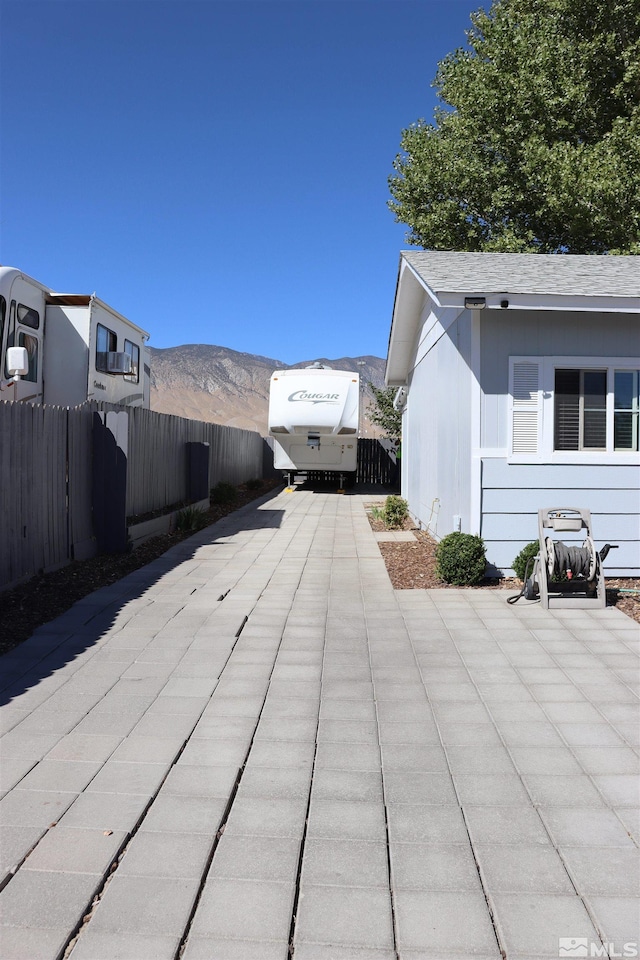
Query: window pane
point(105, 343)
point(31, 343)
point(567, 410)
point(624, 389)
point(595, 389)
point(595, 430)
point(28, 317)
point(623, 431)
point(134, 352)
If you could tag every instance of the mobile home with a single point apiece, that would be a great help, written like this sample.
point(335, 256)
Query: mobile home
point(77, 347)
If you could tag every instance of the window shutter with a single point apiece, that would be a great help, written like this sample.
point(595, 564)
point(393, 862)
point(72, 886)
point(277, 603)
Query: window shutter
point(525, 406)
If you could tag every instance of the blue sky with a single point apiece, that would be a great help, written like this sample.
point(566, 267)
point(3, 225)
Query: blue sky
point(217, 170)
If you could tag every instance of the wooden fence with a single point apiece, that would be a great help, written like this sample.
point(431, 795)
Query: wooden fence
point(376, 464)
point(48, 486)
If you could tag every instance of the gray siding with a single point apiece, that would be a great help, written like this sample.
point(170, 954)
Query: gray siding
point(436, 436)
point(512, 494)
point(511, 333)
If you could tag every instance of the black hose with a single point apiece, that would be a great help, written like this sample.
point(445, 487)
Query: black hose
point(516, 596)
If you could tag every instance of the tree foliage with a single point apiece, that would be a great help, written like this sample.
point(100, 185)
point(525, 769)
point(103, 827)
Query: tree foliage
point(536, 144)
point(384, 413)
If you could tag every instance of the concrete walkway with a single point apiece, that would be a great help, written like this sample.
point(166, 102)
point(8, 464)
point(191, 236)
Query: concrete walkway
point(254, 741)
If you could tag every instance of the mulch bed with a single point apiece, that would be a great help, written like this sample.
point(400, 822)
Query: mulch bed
point(412, 566)
point(49, 595)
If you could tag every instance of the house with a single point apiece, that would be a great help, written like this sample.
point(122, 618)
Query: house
point(519, 377)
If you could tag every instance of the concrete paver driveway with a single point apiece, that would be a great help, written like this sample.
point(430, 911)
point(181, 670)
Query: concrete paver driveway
point(254, 744)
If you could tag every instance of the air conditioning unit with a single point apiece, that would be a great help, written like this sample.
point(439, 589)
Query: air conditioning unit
point(119, 363)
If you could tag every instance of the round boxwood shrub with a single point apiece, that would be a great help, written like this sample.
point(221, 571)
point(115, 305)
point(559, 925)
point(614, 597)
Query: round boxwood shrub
point(522, 560)
point(461, 559)
point(395, 512)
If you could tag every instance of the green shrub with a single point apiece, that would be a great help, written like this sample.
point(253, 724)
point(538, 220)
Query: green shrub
point(395, 512)
point(254, 484)
point(461, 559)
point(191, 518)
point(224, 493)
point(522, 560)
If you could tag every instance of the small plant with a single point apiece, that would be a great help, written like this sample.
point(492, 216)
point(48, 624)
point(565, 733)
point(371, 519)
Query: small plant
point(524, 559)
point(377, 513)
point(224, 493)
point(254, 484)
point(191, 518)
point(461, 559)
point(395, 512)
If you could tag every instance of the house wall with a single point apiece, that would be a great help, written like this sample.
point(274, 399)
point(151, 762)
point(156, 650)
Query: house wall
point(436, 427)
point(512, 493)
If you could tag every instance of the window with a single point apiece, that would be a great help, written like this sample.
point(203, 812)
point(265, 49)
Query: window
point(580, 409)
point(3, 314)
point(28, 317)
point(134, 352)
point(626, 409)
point(106, 342)
point(31, 343)
point(574, 409)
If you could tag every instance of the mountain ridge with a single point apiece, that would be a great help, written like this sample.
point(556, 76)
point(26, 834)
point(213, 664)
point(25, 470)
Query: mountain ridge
point(220, 385)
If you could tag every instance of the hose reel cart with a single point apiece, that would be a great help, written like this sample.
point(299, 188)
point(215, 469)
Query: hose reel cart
point(580, 567)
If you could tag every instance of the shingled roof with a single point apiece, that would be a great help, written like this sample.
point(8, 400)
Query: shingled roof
point(527, 273)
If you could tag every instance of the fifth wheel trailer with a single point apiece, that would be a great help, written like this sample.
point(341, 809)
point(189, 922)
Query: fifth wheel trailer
point(313, 418)
point(74, 347)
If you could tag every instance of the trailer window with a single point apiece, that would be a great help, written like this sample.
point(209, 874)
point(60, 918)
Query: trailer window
point(106, 342)
point(31, 343)
point(28, 317)
point(134, 352)
point(3, 313)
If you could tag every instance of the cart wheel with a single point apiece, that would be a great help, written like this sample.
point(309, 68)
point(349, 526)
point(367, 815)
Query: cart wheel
point(531, 589)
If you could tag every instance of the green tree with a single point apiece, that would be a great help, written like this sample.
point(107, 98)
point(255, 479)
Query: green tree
point(536, 144)
point(384, 413)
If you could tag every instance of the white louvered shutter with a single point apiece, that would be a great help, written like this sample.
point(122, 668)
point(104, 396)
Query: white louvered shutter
point(525, 406)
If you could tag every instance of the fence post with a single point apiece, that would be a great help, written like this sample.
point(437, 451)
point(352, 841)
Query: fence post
point(109, 494)
point(198, 483)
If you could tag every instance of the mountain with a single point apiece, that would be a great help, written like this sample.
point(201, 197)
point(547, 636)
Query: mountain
point(204, 382)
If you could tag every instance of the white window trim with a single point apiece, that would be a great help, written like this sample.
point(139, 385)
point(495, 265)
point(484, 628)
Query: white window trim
point(546, 453)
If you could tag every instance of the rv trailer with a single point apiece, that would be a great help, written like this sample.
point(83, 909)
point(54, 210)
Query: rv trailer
point(65, 349)
point(313, 419)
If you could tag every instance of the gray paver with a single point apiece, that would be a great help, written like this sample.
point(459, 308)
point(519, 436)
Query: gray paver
point(617, 918)
point(204, 948)
point(422, 866)
point(180, 855)
point(258, 910)
point(531, 924)
point(443, 924)
point(145, 905)
point(583, 826)
point(344, 915)
point(345, 863)
point(522, 869)
point(36, 898)
point(255, 858)
point(20, 943)
point(114, 946)
point(68, 850)
point(613, 873)
point(510, 825)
